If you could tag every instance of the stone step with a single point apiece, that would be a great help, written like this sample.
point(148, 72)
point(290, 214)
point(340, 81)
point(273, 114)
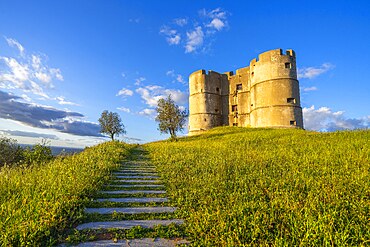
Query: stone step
point(137, 177)
point(127, 224)
point(135, 173)
point(133, 192)
point(134, 199)
point(136, 210)
point(137, 170)
point(142, 242)
point(136, 185)
point(137, 181)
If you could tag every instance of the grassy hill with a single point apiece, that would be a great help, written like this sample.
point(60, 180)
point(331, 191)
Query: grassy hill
point(238, 186)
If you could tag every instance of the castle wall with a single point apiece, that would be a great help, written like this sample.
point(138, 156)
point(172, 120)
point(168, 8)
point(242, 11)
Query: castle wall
point(206, 100)
point(275, 99)
point(264, 94)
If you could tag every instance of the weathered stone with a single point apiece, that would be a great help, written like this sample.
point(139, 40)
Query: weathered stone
point(143, 242)
point(137, 181)
point(127, 224)
point(134, 199)
point(264, 94)
point(137, 210)
point(136, 185)
point(137, 177)
point(134, 192)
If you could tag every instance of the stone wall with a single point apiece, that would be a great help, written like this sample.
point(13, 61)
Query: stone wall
point(264, 94)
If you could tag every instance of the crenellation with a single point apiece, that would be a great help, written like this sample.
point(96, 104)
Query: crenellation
point(263, 94)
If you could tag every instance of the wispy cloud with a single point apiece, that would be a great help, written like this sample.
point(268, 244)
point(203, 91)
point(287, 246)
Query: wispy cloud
point(176, 77)
point(308, 89)
point(217, 18)
point(324, 119)
point(139, 80)
point(312, 72)
point(147, 112)
point(181, 21)
point(193, 38)
point(124, 109)
point(30, 134)
point(151, 95)
point(172, 35)
point(62, 101)
point(45, 117)
point(28, 72)
point(125, 92)
point(14, 43)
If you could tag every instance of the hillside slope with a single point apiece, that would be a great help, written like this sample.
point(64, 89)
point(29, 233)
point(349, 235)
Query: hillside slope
point(238, 186)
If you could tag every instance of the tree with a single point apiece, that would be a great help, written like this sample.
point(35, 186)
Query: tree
point(170, 118)
point(111, 124)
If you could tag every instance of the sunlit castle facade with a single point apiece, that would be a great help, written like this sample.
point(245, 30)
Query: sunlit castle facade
point(264, 94)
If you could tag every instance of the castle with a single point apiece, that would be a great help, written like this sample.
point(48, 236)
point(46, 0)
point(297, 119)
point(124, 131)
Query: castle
point(264, 94)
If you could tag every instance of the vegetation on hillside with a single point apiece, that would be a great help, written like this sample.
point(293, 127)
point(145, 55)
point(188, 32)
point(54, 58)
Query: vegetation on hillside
point(238, 186)
point(38, 202)
point(11, 154)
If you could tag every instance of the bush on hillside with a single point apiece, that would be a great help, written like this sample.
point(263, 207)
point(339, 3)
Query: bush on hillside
point(10, 152)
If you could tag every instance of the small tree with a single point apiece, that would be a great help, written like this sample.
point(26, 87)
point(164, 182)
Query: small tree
point(111, 124)
point(170, 118)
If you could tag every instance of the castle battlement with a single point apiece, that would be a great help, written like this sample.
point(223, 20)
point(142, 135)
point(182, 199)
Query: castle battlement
point(263, 94)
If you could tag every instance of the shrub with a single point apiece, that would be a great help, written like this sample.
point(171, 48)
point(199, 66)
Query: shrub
point(10, 152)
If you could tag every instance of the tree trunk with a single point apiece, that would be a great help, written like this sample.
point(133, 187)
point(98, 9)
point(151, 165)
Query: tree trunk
point(112, 136)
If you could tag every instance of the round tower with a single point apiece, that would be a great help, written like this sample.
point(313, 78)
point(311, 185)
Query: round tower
point(205, 102)
point(275, 100)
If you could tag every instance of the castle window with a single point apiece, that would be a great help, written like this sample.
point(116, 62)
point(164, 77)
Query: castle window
point(288, 65)
point(205, 120)
point(217, 89)
point(252, 73)
point(292, 122)
point(239, 87)
point(290, 100)
point(234, 108)
point(216, 110)
point(235, 124)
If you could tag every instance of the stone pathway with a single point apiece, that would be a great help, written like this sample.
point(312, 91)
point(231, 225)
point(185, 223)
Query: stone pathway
point(136, 183)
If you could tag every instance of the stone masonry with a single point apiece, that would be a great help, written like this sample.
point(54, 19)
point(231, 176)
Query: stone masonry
point(264, 94)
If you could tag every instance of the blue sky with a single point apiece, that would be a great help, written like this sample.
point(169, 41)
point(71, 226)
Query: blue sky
point(63, 62)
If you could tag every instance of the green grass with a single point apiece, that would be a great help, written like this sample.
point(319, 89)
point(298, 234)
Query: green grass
point(38, 203)
point(238, 186)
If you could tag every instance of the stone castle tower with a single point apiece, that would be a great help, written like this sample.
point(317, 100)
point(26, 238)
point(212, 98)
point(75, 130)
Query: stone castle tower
point(264, 94)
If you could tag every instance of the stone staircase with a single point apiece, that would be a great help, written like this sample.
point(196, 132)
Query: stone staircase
point(136, 195)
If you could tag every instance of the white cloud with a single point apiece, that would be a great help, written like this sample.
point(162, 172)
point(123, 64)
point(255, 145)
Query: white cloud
point(14, 43)
point(151, 95)
point(61, 101)
point(181, 21)
point(172, 36)
point(308, 89)
point(205, 26)
point(125, 92)
point(124, 109)
point(123, 75)
point(139, 80)
point(148, 112)
point(312, 72)
point(26, 98)
point(194, 39)
point(43, 77)
point(28, 73)
point(324, 119)
point(177, 77)
point(217, 24)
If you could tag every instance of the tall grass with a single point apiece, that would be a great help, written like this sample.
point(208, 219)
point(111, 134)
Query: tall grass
point(241, 187)
point(38, 202)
